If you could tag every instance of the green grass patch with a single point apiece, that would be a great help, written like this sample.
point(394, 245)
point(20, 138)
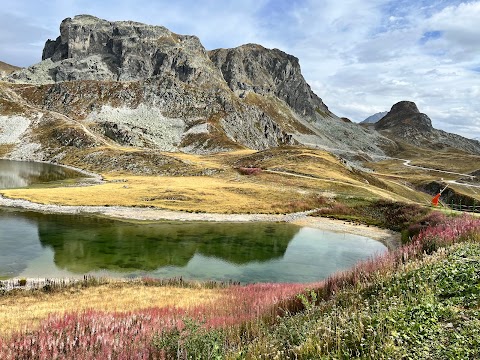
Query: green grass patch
point(430, 311)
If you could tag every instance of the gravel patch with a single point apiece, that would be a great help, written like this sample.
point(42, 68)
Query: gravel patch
point(12, 128)
point(144, 122)
point(148, 214)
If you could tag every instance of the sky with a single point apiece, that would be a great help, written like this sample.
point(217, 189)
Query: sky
point(359, 56)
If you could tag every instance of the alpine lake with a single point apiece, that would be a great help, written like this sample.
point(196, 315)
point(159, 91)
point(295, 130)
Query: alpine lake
point(44, 245)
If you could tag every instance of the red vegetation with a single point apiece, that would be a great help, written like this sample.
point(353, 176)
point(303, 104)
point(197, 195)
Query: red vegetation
point(99, 335)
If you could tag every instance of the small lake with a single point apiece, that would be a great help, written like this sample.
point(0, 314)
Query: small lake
point(18, 174)
point(42, 245)
point(47, 245)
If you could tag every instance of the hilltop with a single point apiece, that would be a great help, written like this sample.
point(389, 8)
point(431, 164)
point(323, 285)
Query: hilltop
point(7, 69)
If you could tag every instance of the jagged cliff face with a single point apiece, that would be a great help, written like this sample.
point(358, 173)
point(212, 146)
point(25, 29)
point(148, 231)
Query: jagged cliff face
point(89, 48)
point(406, 123)
point(144, 86)
point(252, 68)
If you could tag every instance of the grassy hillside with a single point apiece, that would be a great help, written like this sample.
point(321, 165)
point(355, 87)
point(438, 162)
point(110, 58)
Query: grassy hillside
point(288, 179)
point(420, 301)
point(7, 68)
point(429, 309)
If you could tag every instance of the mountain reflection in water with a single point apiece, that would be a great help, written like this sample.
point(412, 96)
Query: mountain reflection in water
point(48, 245)
point(82, 244)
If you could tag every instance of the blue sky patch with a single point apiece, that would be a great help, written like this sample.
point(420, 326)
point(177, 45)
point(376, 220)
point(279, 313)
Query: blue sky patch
point(431, 35)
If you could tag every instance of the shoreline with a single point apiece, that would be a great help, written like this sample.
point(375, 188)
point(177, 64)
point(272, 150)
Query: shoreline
point(91, 177)
point(389, 238)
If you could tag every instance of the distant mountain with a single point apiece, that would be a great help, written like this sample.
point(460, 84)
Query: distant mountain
point(374, 118)
point(406, 123)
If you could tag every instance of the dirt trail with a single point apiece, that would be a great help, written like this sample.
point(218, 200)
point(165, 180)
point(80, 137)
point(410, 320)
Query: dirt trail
point(374, 190)
point(408, 164)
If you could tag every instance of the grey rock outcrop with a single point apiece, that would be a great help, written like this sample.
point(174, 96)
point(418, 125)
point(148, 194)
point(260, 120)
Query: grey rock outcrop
point(404, 116)
point(89, 48)
point(263, 71)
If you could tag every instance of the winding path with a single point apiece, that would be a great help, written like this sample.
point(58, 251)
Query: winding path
point(407, 163)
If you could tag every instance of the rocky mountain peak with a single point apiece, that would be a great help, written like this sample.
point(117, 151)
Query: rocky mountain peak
point(405, 116)
point(253, 68)
point(145, 86)
point(405, 107)
point(406, 123)
point(374, 118)
point(90, 48)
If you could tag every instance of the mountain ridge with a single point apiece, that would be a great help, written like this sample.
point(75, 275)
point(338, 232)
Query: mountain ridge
point(145, 86)
point(374, 118)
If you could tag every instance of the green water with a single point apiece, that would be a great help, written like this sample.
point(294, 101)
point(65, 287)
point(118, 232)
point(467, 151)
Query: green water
point(47, 245)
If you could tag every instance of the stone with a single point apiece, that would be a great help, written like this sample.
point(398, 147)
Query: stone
point(405, 122)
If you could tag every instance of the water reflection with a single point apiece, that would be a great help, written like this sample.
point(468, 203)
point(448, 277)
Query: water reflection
point(41, 245)
point(18, 243)
point(82, 244)
point(15, 174)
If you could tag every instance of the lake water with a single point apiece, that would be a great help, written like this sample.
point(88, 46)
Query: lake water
point(48, 245)
point(17, 174)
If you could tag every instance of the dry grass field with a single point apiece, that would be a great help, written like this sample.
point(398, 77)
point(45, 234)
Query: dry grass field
point(26, 309)
point(292, 179)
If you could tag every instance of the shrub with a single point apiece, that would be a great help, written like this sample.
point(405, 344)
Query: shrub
point(335, 210)
point(249, 171)
point(432, 219)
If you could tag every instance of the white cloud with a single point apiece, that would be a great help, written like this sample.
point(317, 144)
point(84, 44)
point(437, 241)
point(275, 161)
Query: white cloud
point(357, 76)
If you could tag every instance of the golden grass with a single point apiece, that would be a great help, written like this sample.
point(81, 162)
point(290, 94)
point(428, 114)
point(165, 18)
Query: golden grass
point(317, 172)
point(217, 161)
point(198, 193)
point(26, 310)
point(5, 149)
